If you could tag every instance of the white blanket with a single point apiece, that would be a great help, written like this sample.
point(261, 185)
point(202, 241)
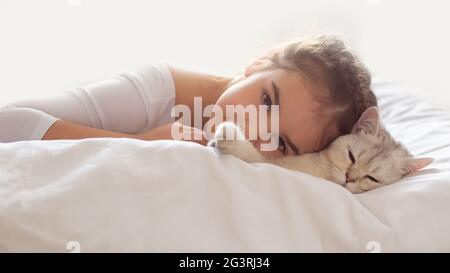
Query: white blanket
point(130, 195)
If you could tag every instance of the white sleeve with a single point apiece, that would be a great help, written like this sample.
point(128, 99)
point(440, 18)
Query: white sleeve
point(20, 123)
point(129, 102)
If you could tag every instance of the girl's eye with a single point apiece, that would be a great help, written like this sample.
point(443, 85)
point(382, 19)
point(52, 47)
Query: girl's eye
point(373, 179)
point(266, 100)
point(281, 145)
point(350, 155)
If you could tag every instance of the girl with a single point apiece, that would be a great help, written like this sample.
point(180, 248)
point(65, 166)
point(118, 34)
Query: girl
point(321, 89)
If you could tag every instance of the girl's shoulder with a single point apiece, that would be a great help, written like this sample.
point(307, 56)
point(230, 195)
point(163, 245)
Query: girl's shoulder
point(191, 83)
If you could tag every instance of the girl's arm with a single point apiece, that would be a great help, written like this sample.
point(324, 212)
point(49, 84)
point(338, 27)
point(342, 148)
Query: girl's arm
point(126, 103)
point(117, 107)
point(63, 129)
point(187, 85)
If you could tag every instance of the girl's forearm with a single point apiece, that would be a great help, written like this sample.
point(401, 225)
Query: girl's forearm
point(165, 132)
point(62, 129)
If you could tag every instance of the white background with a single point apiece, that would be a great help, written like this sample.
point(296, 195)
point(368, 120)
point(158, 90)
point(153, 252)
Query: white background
point(50, 45)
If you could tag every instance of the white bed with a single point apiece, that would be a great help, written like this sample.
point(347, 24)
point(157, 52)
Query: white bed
point(129, 195)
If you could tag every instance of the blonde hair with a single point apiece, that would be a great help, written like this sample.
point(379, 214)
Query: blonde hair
point(326, 62)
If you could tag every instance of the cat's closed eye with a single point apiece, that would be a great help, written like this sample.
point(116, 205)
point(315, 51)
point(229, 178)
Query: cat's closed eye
point(350, 155)
point(372, 178)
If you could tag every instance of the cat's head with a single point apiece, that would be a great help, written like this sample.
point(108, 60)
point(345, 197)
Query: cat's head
point(370, 158)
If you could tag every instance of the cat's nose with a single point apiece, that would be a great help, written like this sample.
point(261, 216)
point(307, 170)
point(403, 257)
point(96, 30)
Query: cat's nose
point(348, 178)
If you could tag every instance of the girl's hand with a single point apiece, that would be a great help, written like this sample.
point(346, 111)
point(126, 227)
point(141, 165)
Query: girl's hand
point(165, 132)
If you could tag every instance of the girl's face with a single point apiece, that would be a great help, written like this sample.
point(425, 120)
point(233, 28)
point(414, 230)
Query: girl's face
point(300, 125)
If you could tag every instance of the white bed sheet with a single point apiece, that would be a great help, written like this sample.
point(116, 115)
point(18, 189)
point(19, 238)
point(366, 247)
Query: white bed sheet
point(130, 195)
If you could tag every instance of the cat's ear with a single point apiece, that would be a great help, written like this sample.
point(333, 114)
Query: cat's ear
point(415, 164)
point(369, 122)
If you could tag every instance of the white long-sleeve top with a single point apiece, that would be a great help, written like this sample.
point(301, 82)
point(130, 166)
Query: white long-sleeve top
point(129, 102)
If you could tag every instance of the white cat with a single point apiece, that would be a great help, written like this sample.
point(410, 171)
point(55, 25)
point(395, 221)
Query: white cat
point(365, 159)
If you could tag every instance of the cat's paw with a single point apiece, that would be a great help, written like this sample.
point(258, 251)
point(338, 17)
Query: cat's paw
point(229, 139)
point(228, 131)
